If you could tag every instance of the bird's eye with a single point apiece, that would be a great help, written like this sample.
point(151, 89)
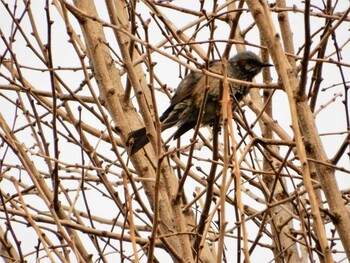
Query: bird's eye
point(246, 65)
point(243, 64)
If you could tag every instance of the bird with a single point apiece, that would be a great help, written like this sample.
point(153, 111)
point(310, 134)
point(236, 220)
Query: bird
point(186, 103)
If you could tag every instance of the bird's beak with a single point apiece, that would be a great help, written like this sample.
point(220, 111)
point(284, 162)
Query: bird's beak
point(266, 65)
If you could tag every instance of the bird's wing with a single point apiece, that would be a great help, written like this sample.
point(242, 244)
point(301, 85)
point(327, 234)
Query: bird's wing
point(183, 92)
point(186, 86)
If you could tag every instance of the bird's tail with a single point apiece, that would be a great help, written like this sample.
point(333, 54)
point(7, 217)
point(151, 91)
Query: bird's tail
point(136, 140)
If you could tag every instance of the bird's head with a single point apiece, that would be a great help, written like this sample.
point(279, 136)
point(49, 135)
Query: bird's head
point(246, 65)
